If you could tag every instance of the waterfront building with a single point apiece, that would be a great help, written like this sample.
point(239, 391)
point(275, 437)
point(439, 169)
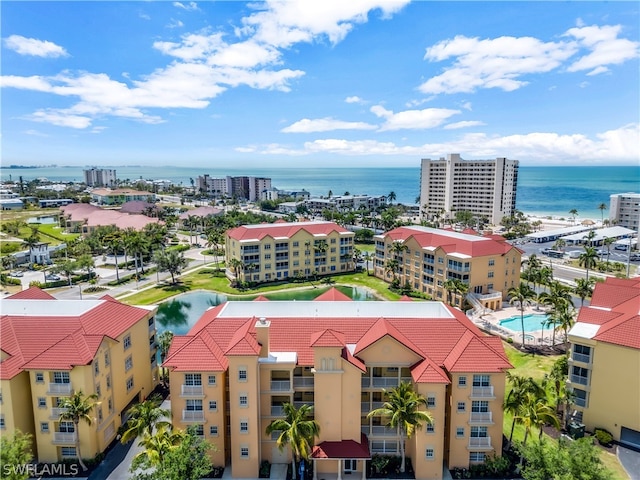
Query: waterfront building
point(345, 203)
point(53, 348)
point(245, 188)
point(281, 250)
point(234, 370)
point(427, 257)
point(604, 362)
point(84, 218)
point(624, 210)
point(486, 188)
point(100, 177)
point(107, 196)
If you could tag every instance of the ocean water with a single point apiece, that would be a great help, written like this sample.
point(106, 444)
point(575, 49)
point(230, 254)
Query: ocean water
point(550, 191)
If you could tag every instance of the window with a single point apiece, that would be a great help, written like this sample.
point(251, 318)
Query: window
point(98, 390)
point(462, 381)
point(39, 377)
point(242, 374)
point(68, 452)
point(211, 380)
point(0, 397)
point(460, 432)
point(127, 342)
point(492, 262)
point(129, 384)
point(213, 405)
point(462, 407)
point(479, 406)
point(107, 360)
point(193, 379)
point(66, 427)
point(429, 453)
point(110, 406)
point(490, 274)
point(431, 401)
point(476, 457)
point(481, 381)
point(194, 405)
point(478, 432)
point(213, 430)
point(42, 402)
point(244, 426)
point(99, 414)
point(244, 400)
point(199, 430)
point(61, 377)
point(296, 244)
point(431, 428)
point(2, 425)
point(108, 380)
point(128, 363)
point(44, 427)
point(267, 256)
point(96, 368)
point(244, 452)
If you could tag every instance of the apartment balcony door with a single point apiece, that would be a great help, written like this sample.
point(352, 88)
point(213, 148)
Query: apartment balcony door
point(350, 465)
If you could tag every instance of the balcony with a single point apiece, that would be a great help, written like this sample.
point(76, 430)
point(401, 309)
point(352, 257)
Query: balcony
point(56, 412)
point(581, 357)
point(277, 410)
point(482, 392)
point(481, 418)
point(65, 437)
point(192, 415)
point(280, 385)
point(299, 382)
point(366, 407)
point(388, 381)
point(379, 431)
point(59, 388)
point(480, 442)
point(192, 391)
point(578, 379)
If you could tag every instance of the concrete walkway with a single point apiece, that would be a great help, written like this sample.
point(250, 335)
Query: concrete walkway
point(630, 460)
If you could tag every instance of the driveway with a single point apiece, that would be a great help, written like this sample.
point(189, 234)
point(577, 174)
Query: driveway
point(630, 460)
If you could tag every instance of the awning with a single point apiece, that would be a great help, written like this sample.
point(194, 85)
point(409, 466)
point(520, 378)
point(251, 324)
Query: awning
point(342, 449)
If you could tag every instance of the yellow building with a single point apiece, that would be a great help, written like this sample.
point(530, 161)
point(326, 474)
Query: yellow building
point(53, 348)
point(604, 366)
point(426, 258)
point(232, 373)
point(278, 251)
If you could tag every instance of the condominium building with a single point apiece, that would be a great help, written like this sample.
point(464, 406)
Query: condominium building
point(604, 366)
point(100, 177)
point(427, 257)
point(486, 188)
point(247, 188)
point(118, 196)
point(624, 210)
point(232, 373)
point(345, 203)
point(281, 250)
point(53, 348)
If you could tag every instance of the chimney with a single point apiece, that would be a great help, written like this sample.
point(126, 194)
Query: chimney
point(262, 336)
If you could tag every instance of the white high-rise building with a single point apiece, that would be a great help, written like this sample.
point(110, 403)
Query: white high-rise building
point(100, 177)
point(624, 210)
point(482, 187)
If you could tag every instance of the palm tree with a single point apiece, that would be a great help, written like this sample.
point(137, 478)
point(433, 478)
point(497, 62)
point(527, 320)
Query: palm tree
point(171, 261)
point(397, 248)
point(574, 213)
point(559, 244)
point(520, 387)
point(588, 259)
point(583, 288)
point(78, 407)
point(236, 265)
point(607, 243)
point(602, 207)
point(536, 412)
point(144, 417)
point(522, 296)
point(215, 238)
point(392, 266)
point(367, 257)
point(402, 409)
point(558, 376)
point(391, 197)
point(565, 320)
point(296, 431)
point(158, 444)
point(164, 342)
point(114, 243)
point(453, 286)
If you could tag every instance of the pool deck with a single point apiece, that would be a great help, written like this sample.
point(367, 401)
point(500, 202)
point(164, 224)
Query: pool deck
point(490, 323)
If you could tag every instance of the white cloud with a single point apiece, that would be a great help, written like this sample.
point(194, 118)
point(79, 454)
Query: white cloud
point(353, 99)
point(34, 47)
point(605, 48)
point(35, 133)
point(464, 124)
point(60, 119)
point(325, 125)
point(191, 6)
point(412, 119)
point(621, 144)
point(174, 23)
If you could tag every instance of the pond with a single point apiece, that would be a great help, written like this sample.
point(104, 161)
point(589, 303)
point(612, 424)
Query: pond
point(43, 220)
point(183, 311)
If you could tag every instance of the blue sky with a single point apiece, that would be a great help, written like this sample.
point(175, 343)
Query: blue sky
point(332, 83)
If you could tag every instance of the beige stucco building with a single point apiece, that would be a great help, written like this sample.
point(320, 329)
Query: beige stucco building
point(488, 265)
point(281, 250)
point(604, 366)
point(232, 373)
point(52, 348)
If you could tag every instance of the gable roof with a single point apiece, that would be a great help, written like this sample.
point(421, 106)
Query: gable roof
point(32, 293)
point(332, 295)
point(247, 233)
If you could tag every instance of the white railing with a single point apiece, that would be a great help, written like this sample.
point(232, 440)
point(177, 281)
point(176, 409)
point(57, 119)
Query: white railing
point(581, 357)
point(56, 412)
point(303, 381)
point(379, 431)
point(483, 392)
point(59, 388)
point(192, 415)
point(475, 442)
point(299, 404)
point(64, 437)
point(579, 379)
point(481, 417)
point(280, 385)
point(192, 390)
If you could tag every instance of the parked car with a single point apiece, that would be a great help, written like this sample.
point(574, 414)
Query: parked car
point(634, 257)
point(621, 246)
point(16, 274)
point(52, 278)
point(601, 252)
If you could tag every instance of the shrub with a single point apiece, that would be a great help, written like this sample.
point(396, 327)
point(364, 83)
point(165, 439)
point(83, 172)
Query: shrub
point(265, 469)
point(7, 280)
point(604, 437)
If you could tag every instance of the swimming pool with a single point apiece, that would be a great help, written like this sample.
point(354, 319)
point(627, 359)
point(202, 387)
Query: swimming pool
point(532, 323)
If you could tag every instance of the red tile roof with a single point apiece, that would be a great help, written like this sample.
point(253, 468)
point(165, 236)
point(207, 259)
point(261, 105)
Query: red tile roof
point(201, 212)
point(327, 338)
point(342, 449)
point(284, 230)
point(59, 340)
point(94, 216)
point(332, 295)
point(32, 293)
point(452, 242)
